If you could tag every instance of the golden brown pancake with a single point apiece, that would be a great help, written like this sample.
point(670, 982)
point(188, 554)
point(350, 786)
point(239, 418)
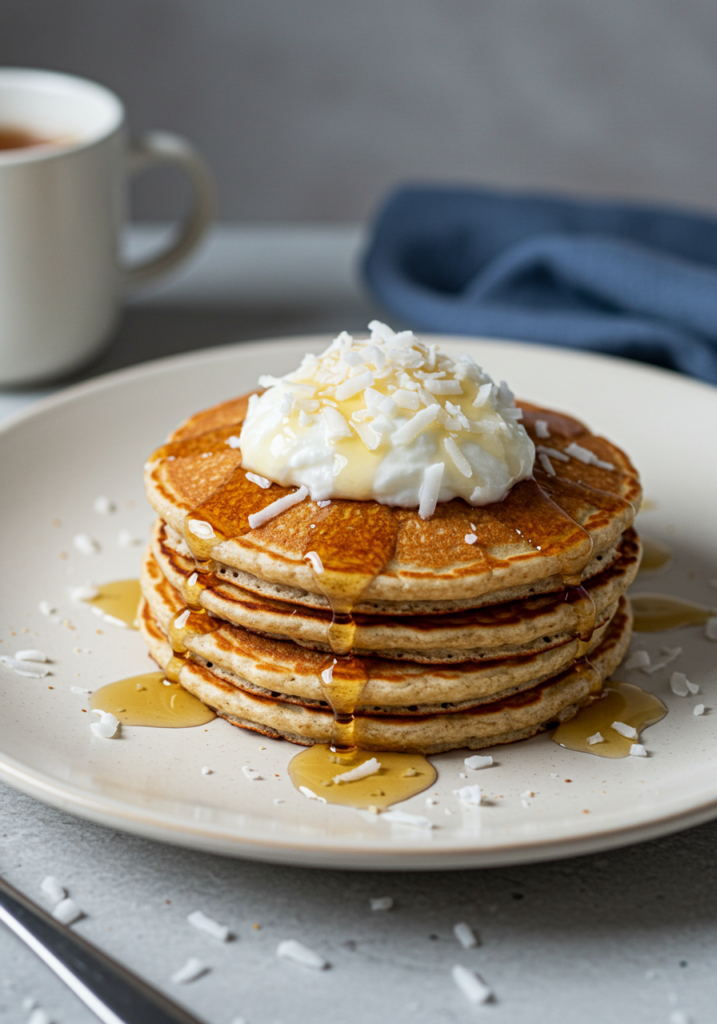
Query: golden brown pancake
point(486, 724)
point(509, 629)
point(547, 528)
point(279, 667)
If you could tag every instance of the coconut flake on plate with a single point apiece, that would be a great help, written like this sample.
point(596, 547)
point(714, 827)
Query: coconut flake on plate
point(126, 539)
point(206, 770)
point(398, 817)
point(362, 771)
point(478, 761)
point(669, 654)
point(628, 731)
point(104, 506)
point(83, 691)
point(469, 794)
point(291, 949)
point(638, 659)
point(31, 669)
point(597, 737)
point(83, 592)
point(310, 795)
point(711, 628)
point(679, 684)
point(251, 773)
point(698, 709)
point(637, 750)
point(206, 924)
point(85, 544)
point(107, 726)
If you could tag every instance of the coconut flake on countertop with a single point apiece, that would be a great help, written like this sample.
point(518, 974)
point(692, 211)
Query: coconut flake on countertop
point(381, 903)
point(473, 988)
point(67, 911)
point(291, 949)
point(465, 935)
point(51, 888)
point(191, 970)
point(388, 418)
point(208, 925)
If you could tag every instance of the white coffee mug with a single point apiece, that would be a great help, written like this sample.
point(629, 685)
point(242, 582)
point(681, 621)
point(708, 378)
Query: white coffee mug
point(61, 214)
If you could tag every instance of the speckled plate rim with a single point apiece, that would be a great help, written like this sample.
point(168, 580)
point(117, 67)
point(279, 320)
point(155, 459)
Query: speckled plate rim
point(394, 854)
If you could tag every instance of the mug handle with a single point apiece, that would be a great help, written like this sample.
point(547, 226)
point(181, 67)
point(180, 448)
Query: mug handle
point(151, 150)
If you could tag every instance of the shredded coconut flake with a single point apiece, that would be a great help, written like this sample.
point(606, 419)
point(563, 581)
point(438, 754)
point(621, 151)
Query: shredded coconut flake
point(81, 690)
point(576, 451)
point(310, 795)
point(83, 592)
point(711, 628)
point(541, 429)
point(67, 911)
point(430, 489)
point(638, 659)
point(51, 888)
point(473, 988)
point(546, 464)
point(291, 949)
point(126, 539)
point(277, 507)
point(597, 737)
point(191, 970)
point(181, 621)
point(637, 750)
point(628, 731)
point(31, 655)
point(478, 761)
point(206, 924)
point(398, 817)
point(552, 453)
point(31, 669)
point(679, 684)
point(201, 529)
point(465, 935)
point(470, 538)
point(469, 794)
point(381, 903)
point(84, 543)
point(45, 608)
point(369, 767)
point(669, 654)
point(323, 504)
point(233, 441)
point(260, 481)
point(251, 774)
point(316, 564)
point(206, 770)
point(104, 506)
point(107, 726)
point(699, 709)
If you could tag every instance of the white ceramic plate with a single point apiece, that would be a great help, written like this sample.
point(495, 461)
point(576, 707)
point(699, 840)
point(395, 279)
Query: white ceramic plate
point(93, 439)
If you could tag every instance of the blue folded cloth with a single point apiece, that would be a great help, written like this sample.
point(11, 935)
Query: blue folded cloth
point(631, 280)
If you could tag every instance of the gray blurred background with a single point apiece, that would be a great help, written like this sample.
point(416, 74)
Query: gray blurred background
point(309, 110)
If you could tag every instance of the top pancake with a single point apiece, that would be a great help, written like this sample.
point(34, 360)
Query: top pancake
point(547, 528)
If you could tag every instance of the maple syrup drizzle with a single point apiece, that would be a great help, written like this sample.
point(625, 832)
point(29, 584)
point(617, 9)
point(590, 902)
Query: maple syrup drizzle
point(623, 702)
point(400, 777)
point(655, 612)
point(655, 555)
point(119, 599)
point(150, 700)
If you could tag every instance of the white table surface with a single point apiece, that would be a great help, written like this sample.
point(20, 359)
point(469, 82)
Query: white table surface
point(625, 936)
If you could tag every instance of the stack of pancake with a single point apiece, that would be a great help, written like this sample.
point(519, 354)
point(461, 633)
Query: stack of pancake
point(475, 627)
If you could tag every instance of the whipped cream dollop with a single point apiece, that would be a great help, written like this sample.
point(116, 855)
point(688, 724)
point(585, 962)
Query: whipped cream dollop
point(388, 418)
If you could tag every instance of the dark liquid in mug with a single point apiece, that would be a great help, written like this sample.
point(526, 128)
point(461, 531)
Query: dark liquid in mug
point(16, 137)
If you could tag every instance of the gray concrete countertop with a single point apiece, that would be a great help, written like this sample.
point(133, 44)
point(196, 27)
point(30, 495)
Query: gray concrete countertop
point(629, 936)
